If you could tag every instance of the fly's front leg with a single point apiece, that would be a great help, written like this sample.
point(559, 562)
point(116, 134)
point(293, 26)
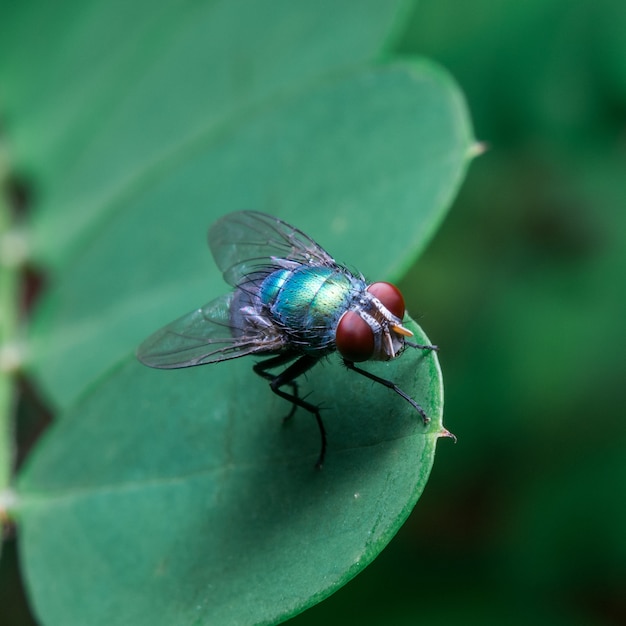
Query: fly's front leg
point(390, 385)
point(420, 346)
point(287, 377)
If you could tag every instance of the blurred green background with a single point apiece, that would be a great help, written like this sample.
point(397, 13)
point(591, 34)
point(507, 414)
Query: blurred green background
point(523, 288)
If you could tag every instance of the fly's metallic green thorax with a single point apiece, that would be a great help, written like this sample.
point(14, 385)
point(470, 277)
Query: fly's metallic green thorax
point(308, 302)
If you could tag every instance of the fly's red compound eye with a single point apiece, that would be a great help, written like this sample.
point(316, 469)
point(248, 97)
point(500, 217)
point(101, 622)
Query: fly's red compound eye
point(354, 337)
point(390, 296)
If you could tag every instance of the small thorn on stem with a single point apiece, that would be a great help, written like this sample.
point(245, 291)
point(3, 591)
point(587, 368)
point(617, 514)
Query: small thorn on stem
point(8, 502)
point(12, 357)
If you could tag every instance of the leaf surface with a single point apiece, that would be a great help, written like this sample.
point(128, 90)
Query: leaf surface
point(126, 85)
point(179, 496)
point(366, 164)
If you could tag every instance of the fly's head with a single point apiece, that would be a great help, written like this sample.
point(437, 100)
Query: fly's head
point(372, 328)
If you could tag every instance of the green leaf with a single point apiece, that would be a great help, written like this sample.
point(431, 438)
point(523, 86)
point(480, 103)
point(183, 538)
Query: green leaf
point(134, 82)
point(367, 164)
point(179, 497)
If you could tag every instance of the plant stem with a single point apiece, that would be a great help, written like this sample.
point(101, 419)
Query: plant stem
point(9, 289)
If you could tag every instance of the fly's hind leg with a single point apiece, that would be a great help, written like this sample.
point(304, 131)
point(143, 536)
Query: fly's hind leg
point(288, 377)
point(261, 368)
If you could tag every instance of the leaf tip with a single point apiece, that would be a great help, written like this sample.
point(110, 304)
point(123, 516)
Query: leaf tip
point(444, 432)
point(478, 148)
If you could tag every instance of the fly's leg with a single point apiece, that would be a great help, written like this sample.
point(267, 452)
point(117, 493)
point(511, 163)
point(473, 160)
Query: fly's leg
point(287, 377)
point(261, 368)
point(390, 385)
point(420, 346)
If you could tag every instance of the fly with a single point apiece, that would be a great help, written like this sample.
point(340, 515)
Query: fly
point(291, 302)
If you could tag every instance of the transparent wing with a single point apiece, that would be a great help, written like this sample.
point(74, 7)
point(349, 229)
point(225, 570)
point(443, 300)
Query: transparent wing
point(206, 335)
point(247, 242)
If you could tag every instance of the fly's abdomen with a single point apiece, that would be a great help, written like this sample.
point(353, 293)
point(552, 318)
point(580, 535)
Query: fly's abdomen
point(308, 302)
